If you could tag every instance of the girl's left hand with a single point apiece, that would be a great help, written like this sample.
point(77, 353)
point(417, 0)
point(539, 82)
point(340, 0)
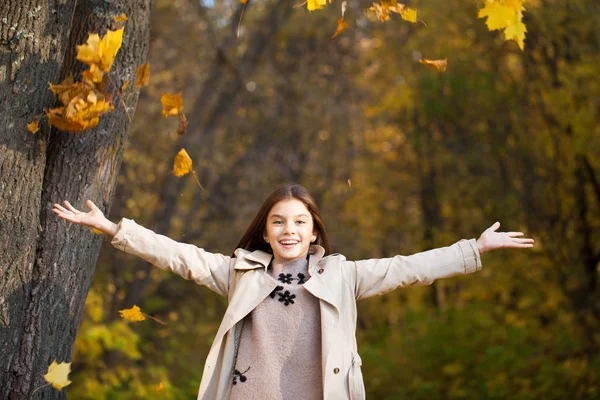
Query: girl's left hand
point(492, 240)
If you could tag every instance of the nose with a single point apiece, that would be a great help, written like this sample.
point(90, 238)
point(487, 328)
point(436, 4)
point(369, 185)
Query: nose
point(289, 227)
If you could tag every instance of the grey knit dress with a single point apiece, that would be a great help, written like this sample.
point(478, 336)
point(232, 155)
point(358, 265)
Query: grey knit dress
point(279, 355)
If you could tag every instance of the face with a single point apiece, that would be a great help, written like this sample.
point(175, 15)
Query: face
point(289, 229)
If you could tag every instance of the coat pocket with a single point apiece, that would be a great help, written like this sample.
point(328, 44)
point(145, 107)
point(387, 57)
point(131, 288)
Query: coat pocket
point(355, 379)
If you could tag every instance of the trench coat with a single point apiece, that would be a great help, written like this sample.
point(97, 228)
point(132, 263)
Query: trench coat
point(335, 281)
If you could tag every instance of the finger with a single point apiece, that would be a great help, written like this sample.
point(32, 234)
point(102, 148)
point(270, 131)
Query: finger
point(71, 208)
point(91, 204)
point(519, 245)
point(514, 234)
point(61, 208)
point(494, 227)
point(523, 240)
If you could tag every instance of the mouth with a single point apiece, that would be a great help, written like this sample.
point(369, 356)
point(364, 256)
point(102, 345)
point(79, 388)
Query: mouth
point(289, 243)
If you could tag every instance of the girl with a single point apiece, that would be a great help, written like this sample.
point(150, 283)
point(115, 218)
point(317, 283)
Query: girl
point(289, 329)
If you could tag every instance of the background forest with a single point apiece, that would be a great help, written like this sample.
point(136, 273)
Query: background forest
point(400, 158)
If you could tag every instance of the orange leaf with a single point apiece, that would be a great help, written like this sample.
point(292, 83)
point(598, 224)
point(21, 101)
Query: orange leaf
point(125, 85)
point(33, 126)
point(172, 104)
point(143, 75)
point(182, 124)
point(183, 163)
point(341, 26)
point(161, 386)
point(243, 2)
point(133, 314)
point(440, 65)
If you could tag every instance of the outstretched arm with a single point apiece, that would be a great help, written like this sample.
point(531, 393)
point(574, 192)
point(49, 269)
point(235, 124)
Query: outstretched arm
point(209, 269)
point(378, 276)
point(94, 218)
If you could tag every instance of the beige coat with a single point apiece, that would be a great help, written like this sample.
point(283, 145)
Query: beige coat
point(337, 282)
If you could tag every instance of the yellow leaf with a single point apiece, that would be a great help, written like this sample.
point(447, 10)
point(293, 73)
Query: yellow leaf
point(172, 104)
point(109, 46)
point(341, 26)
point(133, 314)
point(143, 75)
point(516, 32)
point(182, 124)
point(499, 16)
point(161, 386)
point(58, 375)
point(243, 2)
point(97, 231)
point(440, 65)
point(33, 126)
point(88, 53)
point(121, 18)
point(183, 163)
point(409, 14)
point(507, 15)
point(93, 75)
point(101, 52)
point(125, 85)
point(312, 5)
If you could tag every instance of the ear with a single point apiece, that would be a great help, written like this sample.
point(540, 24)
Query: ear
point(265, 238)
point(314, 237)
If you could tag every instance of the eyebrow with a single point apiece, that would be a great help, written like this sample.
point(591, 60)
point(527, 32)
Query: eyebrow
point(282, 217)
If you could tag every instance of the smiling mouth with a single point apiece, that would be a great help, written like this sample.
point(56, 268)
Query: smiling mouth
point(289, 243)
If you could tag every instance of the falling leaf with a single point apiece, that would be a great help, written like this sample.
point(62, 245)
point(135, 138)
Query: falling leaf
point(143, 75)
point(121, 18)
point(125, 85)
point(385, 8)
point(109, 46)
point(58, 375)
point(161, 386)
point(33, 126)
point(133, 314)
point(312, 5)
point(182, 124)
point(93, 75)
point(516, 32)
point(172, 104)
point(183, 163)
point(243, 2)
point(349, 183)
point(88, 53)
point(507, 15)
point(101, 52)
point(97, 231)
point(409, 14)
point(440, 65)
point(341, 26)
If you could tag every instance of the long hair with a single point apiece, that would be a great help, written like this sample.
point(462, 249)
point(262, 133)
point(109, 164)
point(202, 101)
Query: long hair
point(253, 239)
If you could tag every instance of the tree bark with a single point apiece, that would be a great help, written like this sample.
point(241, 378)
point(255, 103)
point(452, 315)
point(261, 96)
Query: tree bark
point(47, 265)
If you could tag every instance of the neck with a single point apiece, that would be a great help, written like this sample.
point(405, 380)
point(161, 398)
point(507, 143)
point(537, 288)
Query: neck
point(287, 262)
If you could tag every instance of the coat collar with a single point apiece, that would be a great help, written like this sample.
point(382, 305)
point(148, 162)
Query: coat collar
point(258, 258)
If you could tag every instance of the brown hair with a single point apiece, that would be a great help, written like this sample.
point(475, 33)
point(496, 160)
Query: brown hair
point(253, 238)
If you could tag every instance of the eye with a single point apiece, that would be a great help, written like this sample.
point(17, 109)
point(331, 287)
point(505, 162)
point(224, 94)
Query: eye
point(277, 222)
point(300, 222)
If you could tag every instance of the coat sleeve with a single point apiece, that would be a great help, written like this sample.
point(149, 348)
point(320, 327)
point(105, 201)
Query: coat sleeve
point(379, 276)
point(188, 261)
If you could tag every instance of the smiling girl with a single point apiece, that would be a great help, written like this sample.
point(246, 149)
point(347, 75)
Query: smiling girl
point(289, 331)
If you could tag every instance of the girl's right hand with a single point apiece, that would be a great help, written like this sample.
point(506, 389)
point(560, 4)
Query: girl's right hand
point(94, 219)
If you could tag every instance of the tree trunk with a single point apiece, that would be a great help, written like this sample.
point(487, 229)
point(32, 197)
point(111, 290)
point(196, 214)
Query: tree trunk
point(47, 265)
